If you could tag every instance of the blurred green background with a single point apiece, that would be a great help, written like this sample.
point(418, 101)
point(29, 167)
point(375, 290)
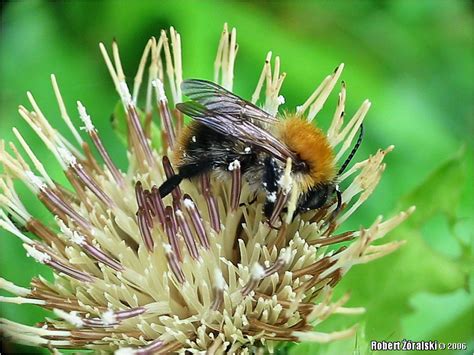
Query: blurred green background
point(412, 59)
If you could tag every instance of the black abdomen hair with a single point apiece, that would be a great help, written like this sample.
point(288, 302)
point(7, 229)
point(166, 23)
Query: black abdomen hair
point(202, 150)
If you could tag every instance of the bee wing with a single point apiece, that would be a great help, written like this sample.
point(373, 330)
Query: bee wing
point(217, 99)
point(243, 130)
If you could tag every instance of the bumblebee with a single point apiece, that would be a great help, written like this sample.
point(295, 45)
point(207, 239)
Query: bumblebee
point(226, 128)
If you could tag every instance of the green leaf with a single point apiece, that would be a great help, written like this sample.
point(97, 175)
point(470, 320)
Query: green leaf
point(440, 192)
point(444, 326)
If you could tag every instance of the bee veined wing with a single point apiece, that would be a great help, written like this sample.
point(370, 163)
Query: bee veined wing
point(237, 128)
point(216, 98)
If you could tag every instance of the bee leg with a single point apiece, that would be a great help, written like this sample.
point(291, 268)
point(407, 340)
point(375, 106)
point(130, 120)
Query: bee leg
point(185, 172)
point(251, 202)
point(169, 185)
point(268, 208)
point(254, 199)
point(270, 178)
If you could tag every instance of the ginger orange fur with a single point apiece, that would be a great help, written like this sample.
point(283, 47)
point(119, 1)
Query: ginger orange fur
point(312, 146)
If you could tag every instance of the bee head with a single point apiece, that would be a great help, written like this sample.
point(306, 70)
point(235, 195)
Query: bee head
point(316, 197)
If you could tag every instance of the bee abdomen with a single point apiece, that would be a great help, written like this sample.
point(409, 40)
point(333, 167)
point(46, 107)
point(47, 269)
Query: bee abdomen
point(203, 149)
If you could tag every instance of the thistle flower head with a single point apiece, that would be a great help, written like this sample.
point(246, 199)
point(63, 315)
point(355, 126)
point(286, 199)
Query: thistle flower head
point(201, 269)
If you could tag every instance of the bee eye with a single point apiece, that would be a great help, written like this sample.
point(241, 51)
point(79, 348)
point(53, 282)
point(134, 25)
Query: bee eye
point(300, 165)
point(314, 198)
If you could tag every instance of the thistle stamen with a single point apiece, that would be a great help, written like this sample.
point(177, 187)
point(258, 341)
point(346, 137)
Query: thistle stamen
point(165, 113)
point(48, 259)
point(54, 203)
point(145, 229)
point(196, 221)
point(86, 179)
point(188, 236)
point(90, 249)
point(174, 263)
point(137, 131)
point(92, 132)
point(171, 230)
point(211, 203)
point(236, 188)
point(158, 204)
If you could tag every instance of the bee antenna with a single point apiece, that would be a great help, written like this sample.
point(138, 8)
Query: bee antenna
point(354, 150)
